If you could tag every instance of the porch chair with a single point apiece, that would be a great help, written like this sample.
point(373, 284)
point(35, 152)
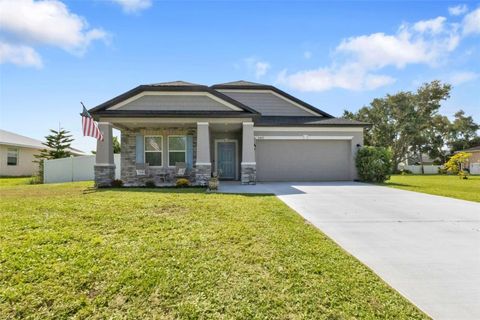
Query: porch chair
point(181, 170)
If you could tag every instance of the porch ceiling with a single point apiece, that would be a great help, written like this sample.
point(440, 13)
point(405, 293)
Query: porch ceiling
point(216, 124)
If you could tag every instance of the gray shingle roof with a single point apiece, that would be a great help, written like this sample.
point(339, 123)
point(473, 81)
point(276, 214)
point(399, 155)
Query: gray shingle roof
point(240, 83)
point(175, 83)
point(306, 121)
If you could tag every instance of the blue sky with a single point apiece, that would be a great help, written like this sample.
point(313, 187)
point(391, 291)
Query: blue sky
point(336, 56)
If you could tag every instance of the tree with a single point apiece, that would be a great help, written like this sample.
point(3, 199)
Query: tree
point(427, 103)
point(463, 132)
point(456, 162)
point(404, 121)
point(117, 148)
point(58, 143)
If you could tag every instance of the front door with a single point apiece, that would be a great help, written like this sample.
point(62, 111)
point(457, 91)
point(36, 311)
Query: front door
point(226, 163)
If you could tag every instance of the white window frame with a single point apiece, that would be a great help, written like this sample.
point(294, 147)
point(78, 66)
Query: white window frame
point(16, 156)
point(168, 147)
point(145, 151)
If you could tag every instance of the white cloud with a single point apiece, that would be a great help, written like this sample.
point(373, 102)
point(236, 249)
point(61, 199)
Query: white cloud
point(307, 54)
point(471, 22)
point(434, 26)
point(463, 77)
point(257, 67)
point(349, 77)
point(133, 6)
point(458, 10)
point(48, 22)
point(357, 60)
point(20, 55)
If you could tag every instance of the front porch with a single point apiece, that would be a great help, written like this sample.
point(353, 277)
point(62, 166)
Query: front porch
point(153, 150)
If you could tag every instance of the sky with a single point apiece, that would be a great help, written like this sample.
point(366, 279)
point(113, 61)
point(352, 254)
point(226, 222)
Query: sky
point(333, 55)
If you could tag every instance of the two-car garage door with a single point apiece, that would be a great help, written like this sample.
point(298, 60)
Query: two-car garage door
point(303, 160)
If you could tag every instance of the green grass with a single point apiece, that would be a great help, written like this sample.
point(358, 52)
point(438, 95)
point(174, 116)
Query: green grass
point(441, 185)
point(14, 181)
point(68, 251)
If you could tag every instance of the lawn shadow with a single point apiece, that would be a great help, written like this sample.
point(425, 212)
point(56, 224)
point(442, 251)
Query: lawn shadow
point(195, 190)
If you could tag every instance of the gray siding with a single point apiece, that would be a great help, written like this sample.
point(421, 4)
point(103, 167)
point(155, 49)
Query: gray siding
point(172, 103)
point(268, 104)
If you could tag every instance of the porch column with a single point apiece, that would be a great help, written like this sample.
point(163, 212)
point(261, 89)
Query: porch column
point(203, 170)
point(104, 169)
point(248, 165)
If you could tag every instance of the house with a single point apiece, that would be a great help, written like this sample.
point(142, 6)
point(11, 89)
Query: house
point(17, 154)
point(473, 163)
point(240, 130)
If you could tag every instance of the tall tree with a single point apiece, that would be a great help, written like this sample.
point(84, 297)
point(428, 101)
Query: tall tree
point(463, 133)
point(426, 105)
point(402, 121)
point(58, 143)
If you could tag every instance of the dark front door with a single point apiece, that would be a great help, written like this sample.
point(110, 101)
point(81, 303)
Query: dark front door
point(226, 159)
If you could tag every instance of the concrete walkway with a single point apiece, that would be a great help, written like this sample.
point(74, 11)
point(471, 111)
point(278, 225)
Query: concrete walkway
point(426, 247)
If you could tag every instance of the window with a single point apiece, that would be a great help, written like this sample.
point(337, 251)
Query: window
point(12, 156)
point(177, 149)
point(153, 150)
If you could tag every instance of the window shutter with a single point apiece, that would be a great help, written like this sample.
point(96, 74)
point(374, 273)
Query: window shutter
point(139, 149)
point(189, 152)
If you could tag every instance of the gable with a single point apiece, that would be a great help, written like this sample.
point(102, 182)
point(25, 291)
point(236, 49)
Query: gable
point(269, 103)
point(174, 101)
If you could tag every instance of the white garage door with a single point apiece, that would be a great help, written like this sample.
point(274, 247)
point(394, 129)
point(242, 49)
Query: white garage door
point(294, 160)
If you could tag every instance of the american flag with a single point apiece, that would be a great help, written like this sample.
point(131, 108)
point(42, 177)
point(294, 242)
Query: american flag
point(89, 125)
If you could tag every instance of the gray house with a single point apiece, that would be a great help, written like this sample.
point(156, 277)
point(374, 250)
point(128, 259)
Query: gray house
point(240, 130)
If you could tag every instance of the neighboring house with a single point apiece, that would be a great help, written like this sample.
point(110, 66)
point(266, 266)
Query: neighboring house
point(17, 154)
point(241, 130)
point(475, 158)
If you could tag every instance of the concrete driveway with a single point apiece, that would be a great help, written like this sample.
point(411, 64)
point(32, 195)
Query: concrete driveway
point(426, 247)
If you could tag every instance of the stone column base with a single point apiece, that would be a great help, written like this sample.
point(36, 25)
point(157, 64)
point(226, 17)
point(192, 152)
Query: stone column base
point(104, 175)
point(203, 173)
point(249, 173)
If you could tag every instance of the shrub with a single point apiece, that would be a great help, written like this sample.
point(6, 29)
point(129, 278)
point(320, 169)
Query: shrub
point(182, 182)
point(405, 172)
point(35, 180)
point(117, 183)
point(456, 162)
point(374, 164)
point(150, 184)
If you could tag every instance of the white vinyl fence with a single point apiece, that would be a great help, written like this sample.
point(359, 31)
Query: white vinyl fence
point(73, 169)
point(475, 168)
point(417, 169)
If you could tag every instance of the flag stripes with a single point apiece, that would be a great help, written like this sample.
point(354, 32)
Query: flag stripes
point(90, 127)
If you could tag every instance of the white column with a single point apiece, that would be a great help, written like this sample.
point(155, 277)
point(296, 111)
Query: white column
point(203, 144)
point(104, 155)
point(248, 144)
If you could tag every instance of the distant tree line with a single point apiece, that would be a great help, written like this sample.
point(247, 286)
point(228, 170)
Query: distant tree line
point(409, 123)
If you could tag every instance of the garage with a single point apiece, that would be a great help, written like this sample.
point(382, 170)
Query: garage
point(303, 160)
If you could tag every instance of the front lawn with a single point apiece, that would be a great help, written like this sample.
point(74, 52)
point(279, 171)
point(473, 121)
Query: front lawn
point(442, 185)
point(70, 251)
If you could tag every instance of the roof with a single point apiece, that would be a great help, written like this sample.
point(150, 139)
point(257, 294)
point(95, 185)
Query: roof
point(178, 86)
point(307, 121)
point(245, 85)
point(473, 149)
point(239, 83)
point(17, 140)
point(174, 83)
point(323, 118)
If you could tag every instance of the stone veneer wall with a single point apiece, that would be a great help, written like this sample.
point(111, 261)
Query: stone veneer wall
point(104, 175)
point(249, 173)
point(128, 155)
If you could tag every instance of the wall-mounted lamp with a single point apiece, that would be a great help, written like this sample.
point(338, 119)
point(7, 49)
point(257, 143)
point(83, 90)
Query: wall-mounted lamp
point(358, 145)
